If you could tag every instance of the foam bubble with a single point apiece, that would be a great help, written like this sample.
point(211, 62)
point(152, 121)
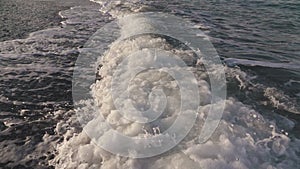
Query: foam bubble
point(244, 139)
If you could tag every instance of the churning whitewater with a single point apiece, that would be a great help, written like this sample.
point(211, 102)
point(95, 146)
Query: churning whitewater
point(243, 139)
point(134, 84)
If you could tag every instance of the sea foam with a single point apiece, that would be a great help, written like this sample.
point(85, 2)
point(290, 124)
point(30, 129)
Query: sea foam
point(244, 138)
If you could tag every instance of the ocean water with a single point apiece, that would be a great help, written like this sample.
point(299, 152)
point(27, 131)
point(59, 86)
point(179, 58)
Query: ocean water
point(257, 41)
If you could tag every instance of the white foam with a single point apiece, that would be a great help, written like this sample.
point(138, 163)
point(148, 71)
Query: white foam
point(244, 139)
point(38, 57)
point(119, 8)
point(281, 101)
